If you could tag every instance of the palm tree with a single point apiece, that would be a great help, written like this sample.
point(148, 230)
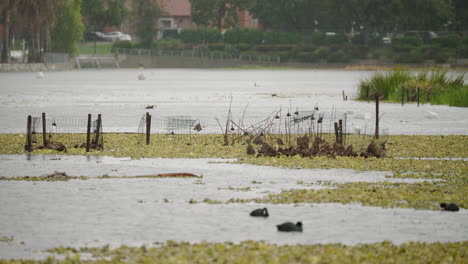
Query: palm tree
point(6, 9)
point(40, 16)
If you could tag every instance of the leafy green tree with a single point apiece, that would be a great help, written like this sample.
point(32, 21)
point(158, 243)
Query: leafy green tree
point(7, 7)
point(101, 13)
point(218, 13)
point(116, 12)
point(460, 22)
point(425, 14)
point(146, 15)
point(68, 31)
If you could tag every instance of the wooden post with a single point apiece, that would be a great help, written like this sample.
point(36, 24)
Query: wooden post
point(340, 131)
point(148, 128)
point(377, 98)
point(44, 133)
point(29, 134)
point(417, 94)
point(402, 95)
point(98, 127)
point(88, 134)
point(336, 133)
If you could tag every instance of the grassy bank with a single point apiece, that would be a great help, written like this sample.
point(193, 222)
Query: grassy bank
point(261, 252)
point(435, 87)
point(100, 49)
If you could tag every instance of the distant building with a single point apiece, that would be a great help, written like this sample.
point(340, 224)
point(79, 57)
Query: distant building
point(176, 15)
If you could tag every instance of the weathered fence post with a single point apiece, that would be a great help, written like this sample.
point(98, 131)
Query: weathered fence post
point(88, 134)
point(148, 128)
point(44, 133)
point(98, 127)
point(377, 101)
point(29, 135)
point(417, 94)
point(340, 131)
point(337, 138)
point(402, 95)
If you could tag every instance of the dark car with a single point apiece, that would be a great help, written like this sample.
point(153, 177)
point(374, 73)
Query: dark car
point(426, 36)
point(94, 36)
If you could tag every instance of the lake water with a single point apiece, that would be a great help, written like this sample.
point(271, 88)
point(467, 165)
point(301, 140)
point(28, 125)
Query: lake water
point(121, 98)
point(96, 212)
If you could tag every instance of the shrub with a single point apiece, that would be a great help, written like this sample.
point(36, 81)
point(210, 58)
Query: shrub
point(243, 46)
point(335, 39)
point(317, 38)
point(250, 36)
point(413, 56)
point(283, 55)
point(358, 52)
point(307, 57)
point(122, 44)
point(449, 41)
point(337, 56)
point(231, 49)
point(273, 37)
point(264, 48)
point(412, 41)
point(378, 54)
point(463, 51)
point(216, 46)
point(202, 35)
point(322, 53)
point(170, 44)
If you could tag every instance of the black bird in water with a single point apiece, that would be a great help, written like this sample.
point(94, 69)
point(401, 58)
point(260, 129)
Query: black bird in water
point(450, 207)
point(290, 227)
point(260, 212)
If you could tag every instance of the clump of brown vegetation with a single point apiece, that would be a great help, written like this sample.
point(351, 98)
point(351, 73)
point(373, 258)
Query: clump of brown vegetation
point(319, 147)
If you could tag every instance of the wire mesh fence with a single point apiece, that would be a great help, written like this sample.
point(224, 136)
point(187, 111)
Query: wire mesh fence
point(242, 129)
point(62, 132)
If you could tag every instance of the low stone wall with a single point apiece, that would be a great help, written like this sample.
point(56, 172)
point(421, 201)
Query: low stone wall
point(134, 61)
point(34, 67)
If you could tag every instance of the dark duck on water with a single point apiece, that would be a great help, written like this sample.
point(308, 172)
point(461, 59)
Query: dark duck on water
point(260, 212)
point(450, 207)
point(290, 227)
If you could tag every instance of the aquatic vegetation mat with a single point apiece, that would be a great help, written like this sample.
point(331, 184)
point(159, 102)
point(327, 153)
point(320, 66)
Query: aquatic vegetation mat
point(62, 176)
point(423, 195)
point(260, 252)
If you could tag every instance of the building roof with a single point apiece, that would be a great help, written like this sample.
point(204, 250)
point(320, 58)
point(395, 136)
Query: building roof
point(176, 7)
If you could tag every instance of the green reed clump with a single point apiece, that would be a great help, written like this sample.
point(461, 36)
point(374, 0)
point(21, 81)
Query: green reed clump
point(435, 87)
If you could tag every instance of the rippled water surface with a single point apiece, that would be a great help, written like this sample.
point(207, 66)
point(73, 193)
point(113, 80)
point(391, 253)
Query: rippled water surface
point(136, 211)
point(121, 98)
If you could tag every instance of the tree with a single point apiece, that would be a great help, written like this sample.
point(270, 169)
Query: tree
point(6, 9)
point(69, 28)
point(103, 13)
point(218, 13)
point(460, 8)
point(146, 15)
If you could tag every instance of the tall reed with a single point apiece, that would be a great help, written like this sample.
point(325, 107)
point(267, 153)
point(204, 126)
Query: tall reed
point(435, 87)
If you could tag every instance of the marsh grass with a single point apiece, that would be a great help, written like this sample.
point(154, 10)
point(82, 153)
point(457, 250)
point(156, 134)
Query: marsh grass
point(261, 252)
point(125, 145)
point(422, 195)
point(435, 87)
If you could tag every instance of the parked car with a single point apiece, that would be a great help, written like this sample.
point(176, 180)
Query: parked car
point(427, 36)
point(387, 40)
point(118, 36)
point(94, 36)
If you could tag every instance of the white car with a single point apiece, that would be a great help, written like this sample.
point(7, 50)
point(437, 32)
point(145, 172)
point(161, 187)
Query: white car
point(118, 36)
